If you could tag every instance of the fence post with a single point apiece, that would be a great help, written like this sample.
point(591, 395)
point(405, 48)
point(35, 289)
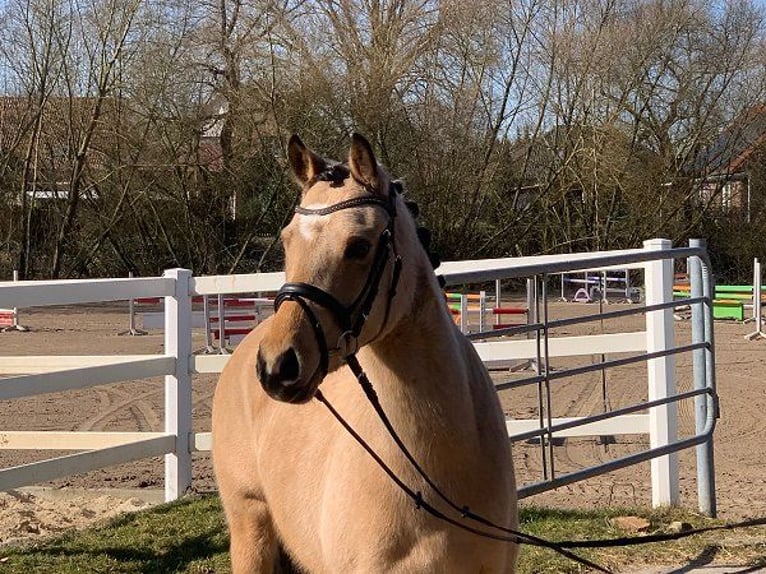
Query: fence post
point(133, 331)
point(222, 341)
point(178, 393)
point(482, 310)
point(463, 313)
point(757, 304)
point(16, 309)
point(209, 348)
point(663, 420)
point(705, 461)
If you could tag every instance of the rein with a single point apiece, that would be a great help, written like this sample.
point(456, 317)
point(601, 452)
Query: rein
point(506, 534)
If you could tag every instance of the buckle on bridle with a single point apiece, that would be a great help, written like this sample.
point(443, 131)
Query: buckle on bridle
point(348, 344)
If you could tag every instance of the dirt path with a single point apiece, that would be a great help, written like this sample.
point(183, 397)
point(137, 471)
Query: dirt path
point(137, 406)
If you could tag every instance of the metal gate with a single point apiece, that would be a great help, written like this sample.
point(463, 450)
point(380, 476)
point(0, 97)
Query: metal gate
point(655, 347)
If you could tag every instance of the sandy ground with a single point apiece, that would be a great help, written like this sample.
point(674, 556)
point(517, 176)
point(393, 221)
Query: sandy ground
point(34, 513)
point(137, 405)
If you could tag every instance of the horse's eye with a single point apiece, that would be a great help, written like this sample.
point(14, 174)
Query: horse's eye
point(357, 248)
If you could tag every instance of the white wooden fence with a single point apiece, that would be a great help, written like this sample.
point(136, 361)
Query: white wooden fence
point(32, 375)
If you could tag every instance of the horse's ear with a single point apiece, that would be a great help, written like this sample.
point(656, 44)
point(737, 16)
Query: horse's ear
point(305, 164)
point(362, 162)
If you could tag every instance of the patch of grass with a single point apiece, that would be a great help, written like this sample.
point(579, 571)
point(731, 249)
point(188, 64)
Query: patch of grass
point(190, 537)
point(186, 536)
point(741, 546)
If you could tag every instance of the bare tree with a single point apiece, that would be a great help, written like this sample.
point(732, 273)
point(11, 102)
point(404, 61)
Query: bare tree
point(523, 126)
point(32, 52)
point(106, 29)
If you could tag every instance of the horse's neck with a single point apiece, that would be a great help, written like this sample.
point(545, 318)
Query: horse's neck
point(423, 358)
point(422, 374)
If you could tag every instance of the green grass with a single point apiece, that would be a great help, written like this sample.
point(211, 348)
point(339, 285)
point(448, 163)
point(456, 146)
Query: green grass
point(187, 536)
point(741, 546)
point(190, 536)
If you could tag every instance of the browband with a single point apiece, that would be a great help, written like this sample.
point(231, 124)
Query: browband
point(346, 204)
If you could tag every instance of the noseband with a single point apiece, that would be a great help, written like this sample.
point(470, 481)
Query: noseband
point(349, 318)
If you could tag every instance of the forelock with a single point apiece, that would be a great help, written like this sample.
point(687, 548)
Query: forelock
point(335, 174)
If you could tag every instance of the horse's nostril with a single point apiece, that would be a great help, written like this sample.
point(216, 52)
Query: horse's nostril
point(282, 372)
point(287, 366)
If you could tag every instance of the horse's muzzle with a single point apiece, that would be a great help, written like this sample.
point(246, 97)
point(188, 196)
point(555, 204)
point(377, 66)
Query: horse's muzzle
point(281, 378)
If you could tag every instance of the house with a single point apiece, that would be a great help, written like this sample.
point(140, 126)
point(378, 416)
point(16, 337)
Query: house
point(730, 167)
point(210, 152)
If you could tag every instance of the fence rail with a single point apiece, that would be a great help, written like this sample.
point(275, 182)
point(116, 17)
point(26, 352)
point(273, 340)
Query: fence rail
point(80, 378)
point(24, 294)
point(654, 345)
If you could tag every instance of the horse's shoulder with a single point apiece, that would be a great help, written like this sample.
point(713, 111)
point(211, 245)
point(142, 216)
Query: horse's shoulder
point(238, 393)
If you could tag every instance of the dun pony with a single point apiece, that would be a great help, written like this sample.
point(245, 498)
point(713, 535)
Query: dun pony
point(291, 478)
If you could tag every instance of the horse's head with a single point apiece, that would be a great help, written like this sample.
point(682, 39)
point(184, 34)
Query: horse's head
point(342, 268)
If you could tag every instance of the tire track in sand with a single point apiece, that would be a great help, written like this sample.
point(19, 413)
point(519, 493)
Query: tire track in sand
point(139, 402)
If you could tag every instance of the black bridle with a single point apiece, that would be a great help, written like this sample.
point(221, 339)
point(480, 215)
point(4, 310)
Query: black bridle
point(350, 318)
